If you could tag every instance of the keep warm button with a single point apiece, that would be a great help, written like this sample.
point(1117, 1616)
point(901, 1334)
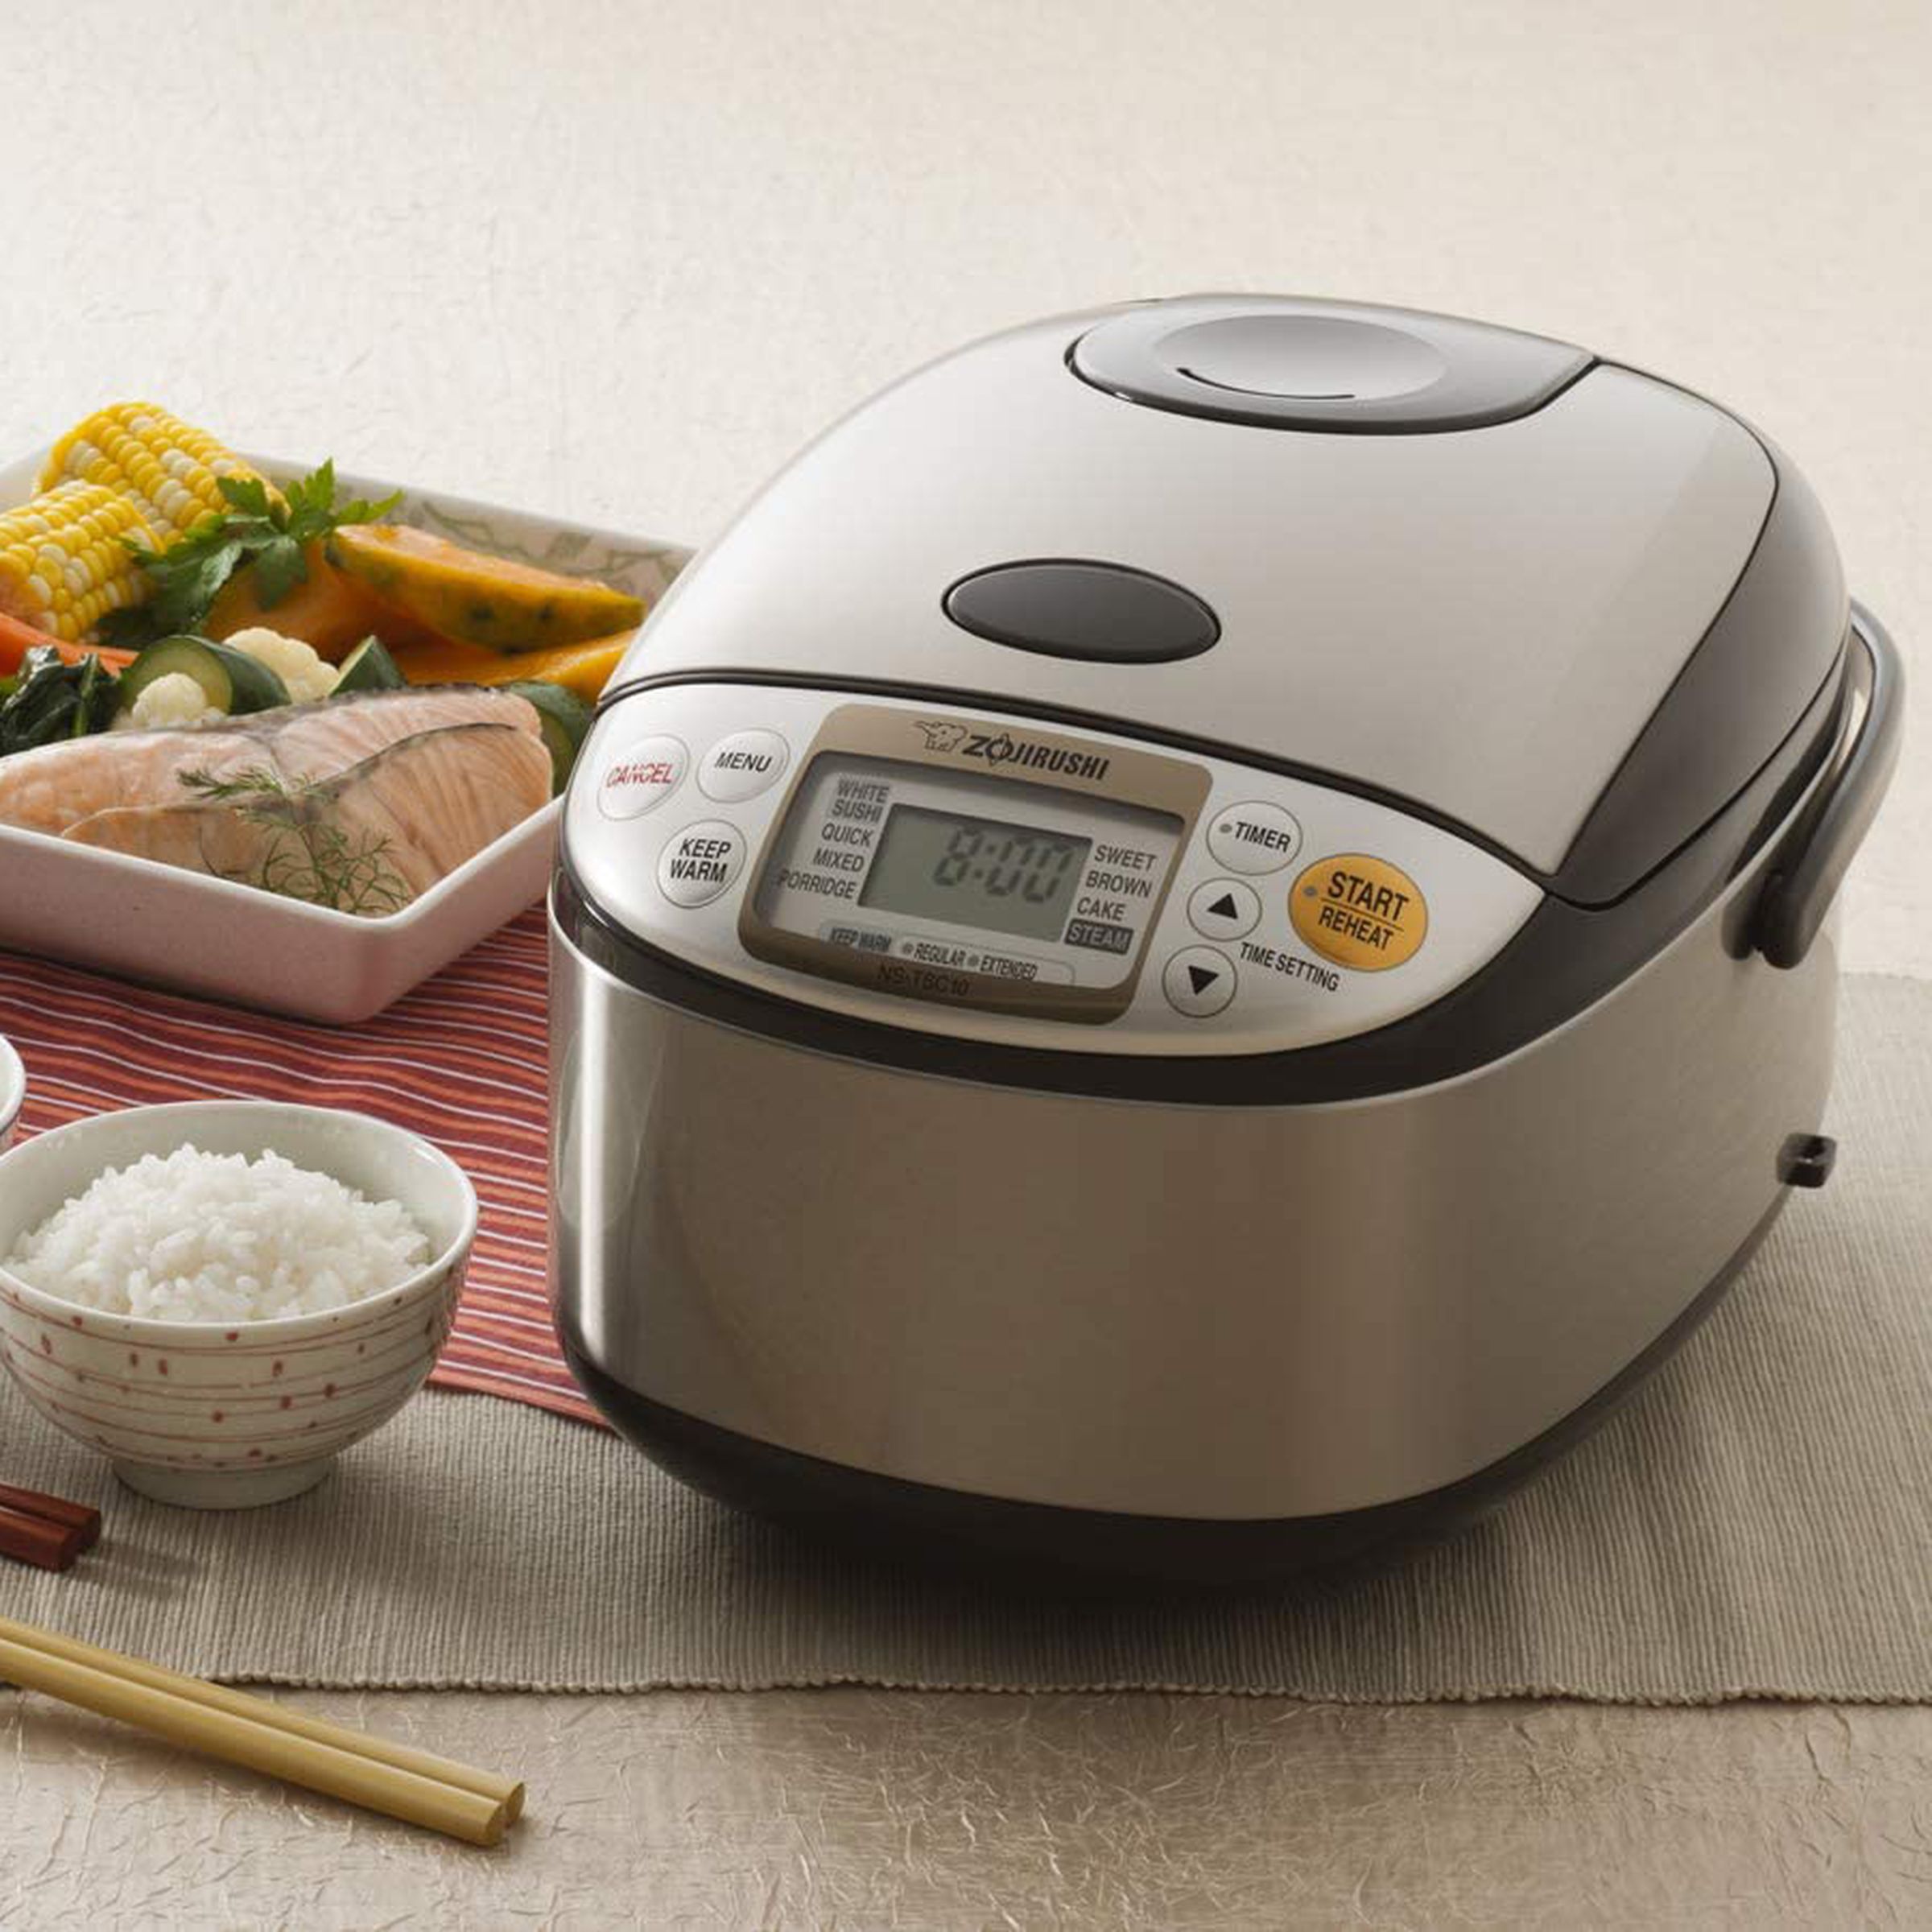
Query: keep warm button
point(1361, 912)
point(701, 862)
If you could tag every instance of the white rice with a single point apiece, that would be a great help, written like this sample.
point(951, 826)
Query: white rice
point(217, 1237)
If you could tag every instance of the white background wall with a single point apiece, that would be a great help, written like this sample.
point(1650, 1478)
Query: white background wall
point(619, 261)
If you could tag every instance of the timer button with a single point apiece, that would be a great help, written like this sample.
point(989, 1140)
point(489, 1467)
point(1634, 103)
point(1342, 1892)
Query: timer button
point(642, 776)
point(701, 862)
point(742, 765)
point(1199, 981)
point(1223, 909)
point(1253, 838)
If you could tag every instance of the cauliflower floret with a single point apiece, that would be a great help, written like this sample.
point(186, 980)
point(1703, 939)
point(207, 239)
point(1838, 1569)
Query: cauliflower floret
point(295, 663)
point(166, 702)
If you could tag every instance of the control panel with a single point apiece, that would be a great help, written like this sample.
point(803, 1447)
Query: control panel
point(956, 870)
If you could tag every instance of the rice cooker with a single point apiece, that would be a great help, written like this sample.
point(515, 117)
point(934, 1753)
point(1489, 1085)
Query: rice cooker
point(1202, 934)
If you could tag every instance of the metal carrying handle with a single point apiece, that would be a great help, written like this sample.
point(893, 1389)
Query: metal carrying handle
point(1801, 888)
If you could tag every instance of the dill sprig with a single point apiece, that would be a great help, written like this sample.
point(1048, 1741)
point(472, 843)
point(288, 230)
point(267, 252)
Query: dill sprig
point(310, 856)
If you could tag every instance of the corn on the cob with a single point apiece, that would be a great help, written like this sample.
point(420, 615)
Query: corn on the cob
point(62, 564)
point(167, 467)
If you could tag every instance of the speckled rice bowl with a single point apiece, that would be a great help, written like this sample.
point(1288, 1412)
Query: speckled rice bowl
point(226, 1416)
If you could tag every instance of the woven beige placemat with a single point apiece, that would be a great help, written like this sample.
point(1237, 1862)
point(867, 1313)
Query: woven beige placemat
point(1756, 1522)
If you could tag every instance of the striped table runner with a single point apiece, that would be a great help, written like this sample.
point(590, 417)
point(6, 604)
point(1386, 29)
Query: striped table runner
point(461, 1061)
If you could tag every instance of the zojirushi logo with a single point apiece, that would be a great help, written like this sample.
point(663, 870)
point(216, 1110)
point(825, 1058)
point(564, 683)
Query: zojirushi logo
point(1002, 748)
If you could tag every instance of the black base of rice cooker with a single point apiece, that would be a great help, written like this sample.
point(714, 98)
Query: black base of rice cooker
point(1202, 935)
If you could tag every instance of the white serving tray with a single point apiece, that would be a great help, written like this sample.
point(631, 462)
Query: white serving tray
point(165, 927)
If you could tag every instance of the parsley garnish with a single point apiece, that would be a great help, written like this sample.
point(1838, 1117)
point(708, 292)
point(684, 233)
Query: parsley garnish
point(257, 533)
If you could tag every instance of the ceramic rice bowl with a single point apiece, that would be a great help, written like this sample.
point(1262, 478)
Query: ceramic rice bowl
point(216, 1415)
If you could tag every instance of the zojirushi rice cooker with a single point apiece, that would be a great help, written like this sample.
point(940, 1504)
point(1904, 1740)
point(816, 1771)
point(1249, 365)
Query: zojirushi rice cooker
point(1202, 933)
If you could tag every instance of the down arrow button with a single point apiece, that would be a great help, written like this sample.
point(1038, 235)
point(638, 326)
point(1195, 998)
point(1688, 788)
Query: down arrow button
point(1199, 982)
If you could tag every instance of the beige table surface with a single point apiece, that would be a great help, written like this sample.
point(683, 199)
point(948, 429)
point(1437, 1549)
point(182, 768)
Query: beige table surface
point(618, 261)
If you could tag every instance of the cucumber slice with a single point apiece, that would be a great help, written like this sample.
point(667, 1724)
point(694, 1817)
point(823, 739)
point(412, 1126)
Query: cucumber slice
point(235, 682)
point(566, 720)
point(369, 667)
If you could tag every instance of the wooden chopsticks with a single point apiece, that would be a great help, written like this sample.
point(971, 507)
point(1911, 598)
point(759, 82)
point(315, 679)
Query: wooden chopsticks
point(413, 1785)
point(43, 1530)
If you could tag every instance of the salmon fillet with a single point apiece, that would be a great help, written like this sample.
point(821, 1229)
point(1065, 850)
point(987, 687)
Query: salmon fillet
point(54, 787)
point(368, 839)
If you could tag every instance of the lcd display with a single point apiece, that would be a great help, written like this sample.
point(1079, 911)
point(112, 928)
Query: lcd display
point(979, 873)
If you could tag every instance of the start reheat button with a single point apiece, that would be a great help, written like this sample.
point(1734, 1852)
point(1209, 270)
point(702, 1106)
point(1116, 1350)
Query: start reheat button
point(1359, 912)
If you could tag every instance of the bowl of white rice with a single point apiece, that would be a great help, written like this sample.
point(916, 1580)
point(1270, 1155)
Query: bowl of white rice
point(221, 1296)
point(13, 1091)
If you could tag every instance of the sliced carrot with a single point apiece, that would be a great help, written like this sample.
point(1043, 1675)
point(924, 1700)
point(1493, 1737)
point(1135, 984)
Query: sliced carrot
point(16, 639)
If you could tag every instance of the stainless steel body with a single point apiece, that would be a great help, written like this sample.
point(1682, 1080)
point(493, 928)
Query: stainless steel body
point(1197, 1311)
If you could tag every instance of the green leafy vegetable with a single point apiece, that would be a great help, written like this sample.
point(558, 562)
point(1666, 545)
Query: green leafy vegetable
point(310, 857)
point(48, 700)
point(257, 533)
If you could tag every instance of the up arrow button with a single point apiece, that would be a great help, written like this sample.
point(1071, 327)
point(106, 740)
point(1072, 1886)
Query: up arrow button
point(1223, 909)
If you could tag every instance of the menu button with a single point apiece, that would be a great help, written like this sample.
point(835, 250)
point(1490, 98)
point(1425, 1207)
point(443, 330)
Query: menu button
point(742, 765)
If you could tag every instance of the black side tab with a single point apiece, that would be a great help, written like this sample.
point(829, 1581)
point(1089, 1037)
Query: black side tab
point(1805, 1160)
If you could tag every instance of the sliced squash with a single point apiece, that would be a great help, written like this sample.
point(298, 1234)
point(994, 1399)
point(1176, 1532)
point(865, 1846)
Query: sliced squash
point(482, 599)
point(331, 611)
point(583, 668)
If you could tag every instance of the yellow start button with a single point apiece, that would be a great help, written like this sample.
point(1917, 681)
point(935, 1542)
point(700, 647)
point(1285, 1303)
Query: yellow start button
point(1360, 912)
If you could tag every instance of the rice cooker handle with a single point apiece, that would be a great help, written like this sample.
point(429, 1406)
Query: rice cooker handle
point(1800, 890)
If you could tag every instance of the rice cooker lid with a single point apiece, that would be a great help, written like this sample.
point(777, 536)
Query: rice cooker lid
point(1561, 605)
